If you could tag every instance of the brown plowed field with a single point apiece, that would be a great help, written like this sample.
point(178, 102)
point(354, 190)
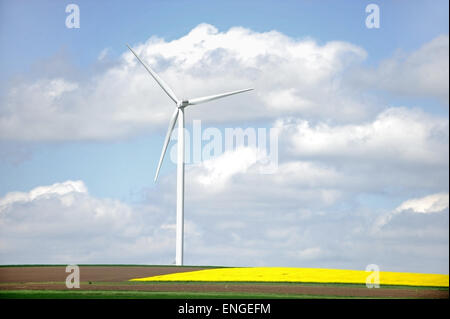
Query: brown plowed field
point(87, 273)
point(116, 278)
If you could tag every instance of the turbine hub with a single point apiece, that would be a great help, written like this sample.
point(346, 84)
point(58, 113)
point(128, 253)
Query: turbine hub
point(183, 103)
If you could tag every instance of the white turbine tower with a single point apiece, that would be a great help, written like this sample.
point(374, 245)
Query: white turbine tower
point(179, 112)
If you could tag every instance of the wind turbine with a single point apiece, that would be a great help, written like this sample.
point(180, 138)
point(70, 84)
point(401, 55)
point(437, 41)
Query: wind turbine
point(179, 113)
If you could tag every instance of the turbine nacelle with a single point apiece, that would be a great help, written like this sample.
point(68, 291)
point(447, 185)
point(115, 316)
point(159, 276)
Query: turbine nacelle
point(182, 103)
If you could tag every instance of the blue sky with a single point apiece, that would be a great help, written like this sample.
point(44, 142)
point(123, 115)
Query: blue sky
point(367, 74)
point(30, 26)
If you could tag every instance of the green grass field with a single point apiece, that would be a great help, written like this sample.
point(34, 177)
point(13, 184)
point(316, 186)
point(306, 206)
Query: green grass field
point(106, 294)
point(111, 294)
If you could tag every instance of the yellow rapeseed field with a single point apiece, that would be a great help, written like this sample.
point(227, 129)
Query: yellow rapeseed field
point(310, 275)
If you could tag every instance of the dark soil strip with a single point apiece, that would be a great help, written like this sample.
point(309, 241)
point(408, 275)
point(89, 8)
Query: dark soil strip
point(87, 273)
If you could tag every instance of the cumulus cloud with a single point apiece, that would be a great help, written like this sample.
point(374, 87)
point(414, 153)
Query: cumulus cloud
point(42, 192)
point(428, 204)
point(235, 179)
point(424, 72)
point(291, 76)
point(308, 214)
point(434, 203)
point(63, 223)
point(396, 134)
point(215, 173)
point(296, 77)
point(400, 150)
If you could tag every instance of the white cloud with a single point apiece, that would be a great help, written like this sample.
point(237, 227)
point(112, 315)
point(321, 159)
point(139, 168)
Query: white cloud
point(44, 228)
point(434, 203)
point(216, 172)
point(428, 204)
point(396, 134)
point(295, 77)
point(289, 75)
point(424, 72)
point(235, 177)
point(57, 189)
point(63, 223)
point(308, 211)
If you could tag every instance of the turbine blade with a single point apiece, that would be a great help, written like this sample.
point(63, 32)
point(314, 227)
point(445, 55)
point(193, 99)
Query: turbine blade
point(214, 97)
point(161, 83)
point(172, 122)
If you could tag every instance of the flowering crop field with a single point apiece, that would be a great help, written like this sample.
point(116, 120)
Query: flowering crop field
point(303, 275)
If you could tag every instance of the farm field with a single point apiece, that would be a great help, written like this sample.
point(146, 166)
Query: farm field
point(305, 275)
point(138, 281)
